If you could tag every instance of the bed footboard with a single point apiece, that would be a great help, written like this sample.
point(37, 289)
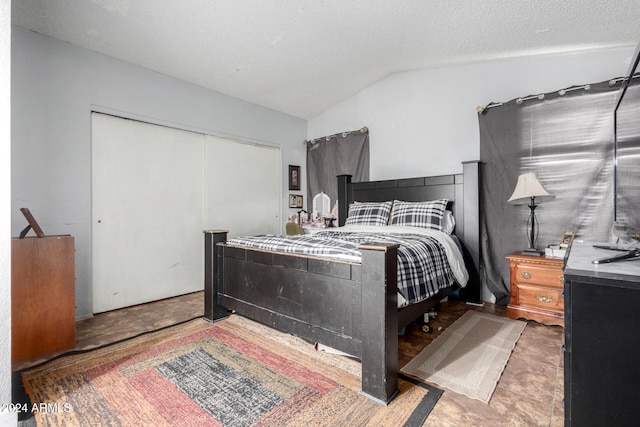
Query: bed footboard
point(352, 308)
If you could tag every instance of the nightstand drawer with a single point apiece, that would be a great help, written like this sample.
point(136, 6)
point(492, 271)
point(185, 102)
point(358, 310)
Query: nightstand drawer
point(537, 283)
point(537, 296)
point(526, 273)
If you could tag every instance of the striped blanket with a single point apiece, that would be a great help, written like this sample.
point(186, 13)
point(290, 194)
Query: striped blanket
point(428, 260)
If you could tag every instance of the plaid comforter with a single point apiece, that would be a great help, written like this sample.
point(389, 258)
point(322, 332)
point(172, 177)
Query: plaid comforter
point(423, 265)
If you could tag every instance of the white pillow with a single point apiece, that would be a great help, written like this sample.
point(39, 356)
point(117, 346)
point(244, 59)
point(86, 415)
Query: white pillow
point(448, 222)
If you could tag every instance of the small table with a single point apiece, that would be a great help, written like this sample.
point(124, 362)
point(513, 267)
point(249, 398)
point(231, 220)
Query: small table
point(43, 290)
point(536, 288)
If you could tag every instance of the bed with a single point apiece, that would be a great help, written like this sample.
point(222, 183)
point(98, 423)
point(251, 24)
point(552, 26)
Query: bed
point(343, 304)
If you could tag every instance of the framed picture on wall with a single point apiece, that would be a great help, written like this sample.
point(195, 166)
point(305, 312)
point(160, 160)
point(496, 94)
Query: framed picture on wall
point(298, 201)
point(294, 177)
point(293, 201)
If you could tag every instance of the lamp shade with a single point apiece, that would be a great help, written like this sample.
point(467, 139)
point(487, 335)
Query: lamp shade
point(529, 186)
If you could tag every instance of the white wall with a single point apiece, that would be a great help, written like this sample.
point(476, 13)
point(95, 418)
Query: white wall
point(55, 85)
point(425, 122)
point(6, 418)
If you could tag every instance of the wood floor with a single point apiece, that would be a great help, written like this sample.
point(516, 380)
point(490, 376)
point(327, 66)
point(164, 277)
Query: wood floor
point(529, 393)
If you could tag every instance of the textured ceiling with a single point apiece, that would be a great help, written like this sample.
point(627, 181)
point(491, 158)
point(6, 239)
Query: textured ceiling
point(303, 56)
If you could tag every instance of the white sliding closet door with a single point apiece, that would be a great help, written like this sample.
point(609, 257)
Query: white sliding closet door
point(243, 187)
point(147, 211)
point(154, 190)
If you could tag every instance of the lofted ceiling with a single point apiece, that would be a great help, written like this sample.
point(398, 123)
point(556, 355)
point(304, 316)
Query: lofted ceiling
point(302, 56)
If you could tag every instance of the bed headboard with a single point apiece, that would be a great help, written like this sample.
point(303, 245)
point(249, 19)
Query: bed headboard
point(463, 191)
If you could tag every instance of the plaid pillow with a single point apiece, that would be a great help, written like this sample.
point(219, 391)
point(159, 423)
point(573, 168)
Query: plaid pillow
point(369, 213)
point(419, 214)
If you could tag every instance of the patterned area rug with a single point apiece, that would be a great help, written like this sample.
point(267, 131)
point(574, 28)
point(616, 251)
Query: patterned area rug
point(470, 355)
point(231, 373)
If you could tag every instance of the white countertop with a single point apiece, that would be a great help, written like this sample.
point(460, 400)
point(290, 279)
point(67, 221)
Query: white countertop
point(583, 254)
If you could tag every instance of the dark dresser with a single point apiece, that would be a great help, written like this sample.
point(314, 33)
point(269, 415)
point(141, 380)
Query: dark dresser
point(602, 339)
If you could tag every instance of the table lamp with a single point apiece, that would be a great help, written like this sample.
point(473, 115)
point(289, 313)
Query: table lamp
point(529, 190)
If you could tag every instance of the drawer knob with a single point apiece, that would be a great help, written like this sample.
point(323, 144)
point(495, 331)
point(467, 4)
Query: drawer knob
point(526, 275)
point(544, 298)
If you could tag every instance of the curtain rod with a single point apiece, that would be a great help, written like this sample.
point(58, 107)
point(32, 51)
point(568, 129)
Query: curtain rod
point(342, 134)
point(480, 109)
point(622, 79)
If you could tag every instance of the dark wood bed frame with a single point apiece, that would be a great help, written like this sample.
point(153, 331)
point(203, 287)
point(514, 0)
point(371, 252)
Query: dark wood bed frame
point(351, 307)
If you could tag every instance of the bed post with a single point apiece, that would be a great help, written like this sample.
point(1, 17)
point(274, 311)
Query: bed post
point(213, 265)
point(344, 198)
point(471, 238)
point(379, 321)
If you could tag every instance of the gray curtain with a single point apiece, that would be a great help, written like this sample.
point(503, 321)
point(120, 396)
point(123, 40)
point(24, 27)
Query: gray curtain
point(330, 156)
point(567, 140)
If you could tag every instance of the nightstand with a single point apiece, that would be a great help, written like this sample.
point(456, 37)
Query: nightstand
point(536, 288)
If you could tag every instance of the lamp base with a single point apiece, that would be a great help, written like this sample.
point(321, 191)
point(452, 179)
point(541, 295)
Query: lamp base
point(531, 252)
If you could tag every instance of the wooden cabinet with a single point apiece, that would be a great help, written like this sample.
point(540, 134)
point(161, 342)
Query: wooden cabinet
point(42, 296)
point(536, 288)
point(602, 349)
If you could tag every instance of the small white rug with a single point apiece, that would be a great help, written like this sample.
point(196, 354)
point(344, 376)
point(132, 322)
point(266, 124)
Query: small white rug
point(470, 355)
